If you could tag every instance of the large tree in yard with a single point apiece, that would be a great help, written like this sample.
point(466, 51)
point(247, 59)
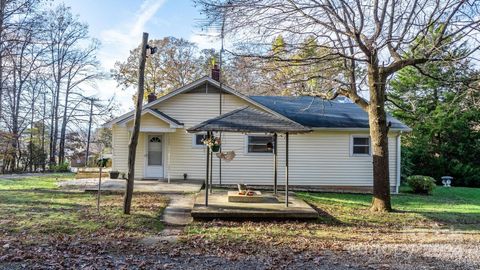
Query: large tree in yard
point(176, 64)
point(373, 40)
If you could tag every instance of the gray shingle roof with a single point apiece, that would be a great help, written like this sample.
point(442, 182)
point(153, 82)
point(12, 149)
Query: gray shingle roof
point(247, 119)
point(319, 113)
point(167, 117)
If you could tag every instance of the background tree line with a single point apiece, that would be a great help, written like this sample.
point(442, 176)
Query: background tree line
point(47, 59)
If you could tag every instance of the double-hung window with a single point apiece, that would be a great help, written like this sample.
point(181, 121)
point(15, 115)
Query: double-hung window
point(197, 140)
point(360, 145)
point(259, 144)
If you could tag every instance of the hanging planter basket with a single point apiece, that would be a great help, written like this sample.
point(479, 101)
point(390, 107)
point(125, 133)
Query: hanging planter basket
point(215, 148)
point(212, 142)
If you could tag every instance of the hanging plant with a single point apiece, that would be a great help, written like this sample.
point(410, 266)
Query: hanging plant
point(213, 143)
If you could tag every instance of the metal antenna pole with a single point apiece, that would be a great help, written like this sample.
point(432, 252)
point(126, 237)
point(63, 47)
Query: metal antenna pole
point(222, 37)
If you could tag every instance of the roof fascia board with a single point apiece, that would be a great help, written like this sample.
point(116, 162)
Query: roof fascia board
point(357, 129)
point(150, 111)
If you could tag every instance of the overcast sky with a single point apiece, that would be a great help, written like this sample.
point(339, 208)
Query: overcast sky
point(119, 25)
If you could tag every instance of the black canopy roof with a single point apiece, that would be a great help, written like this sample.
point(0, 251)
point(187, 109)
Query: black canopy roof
point(247, 119)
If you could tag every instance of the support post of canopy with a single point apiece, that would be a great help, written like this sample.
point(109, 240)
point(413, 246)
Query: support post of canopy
point(275, 164)
point(207, 171)
point(286, 169)
point(211, 171)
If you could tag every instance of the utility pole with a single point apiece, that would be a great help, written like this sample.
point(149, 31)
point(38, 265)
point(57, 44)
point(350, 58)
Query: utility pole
point(92, 100)
point(44, 160)
point(132, 147)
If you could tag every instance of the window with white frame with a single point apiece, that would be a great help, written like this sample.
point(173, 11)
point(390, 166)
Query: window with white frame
point(197, 139)
point(259, 144)
point(360, 145)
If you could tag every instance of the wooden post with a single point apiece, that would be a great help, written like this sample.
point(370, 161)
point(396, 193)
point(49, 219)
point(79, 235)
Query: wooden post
point(275, 164)
point(286, 169)
point(220, 134)
point(207, 171)
point(100, 180)
point(99, 187)
point(132, 147)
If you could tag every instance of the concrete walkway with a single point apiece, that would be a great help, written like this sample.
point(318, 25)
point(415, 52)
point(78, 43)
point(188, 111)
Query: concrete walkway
point(176, 215)
point(156, 186)
point(178, 211)
point(182, 194)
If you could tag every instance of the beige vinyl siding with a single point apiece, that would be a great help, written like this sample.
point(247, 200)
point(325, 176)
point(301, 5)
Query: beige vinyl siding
point(150, 121)
point(317, 158)
point(121, 139)
point(192, 109)
point(324, 158)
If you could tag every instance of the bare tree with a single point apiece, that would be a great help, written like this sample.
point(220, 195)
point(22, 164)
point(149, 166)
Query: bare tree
point(66, 33)
point(10, 11)
point(82, 69)
point(24, 59)
point(46, 57)
point(373, 39)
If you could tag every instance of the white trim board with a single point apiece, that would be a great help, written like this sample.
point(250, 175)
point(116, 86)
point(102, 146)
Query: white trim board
point(153, 113)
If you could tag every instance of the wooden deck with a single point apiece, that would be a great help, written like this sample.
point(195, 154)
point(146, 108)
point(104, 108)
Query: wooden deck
point(220, 208)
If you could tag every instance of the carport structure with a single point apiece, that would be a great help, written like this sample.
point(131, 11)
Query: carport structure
point(250, 120)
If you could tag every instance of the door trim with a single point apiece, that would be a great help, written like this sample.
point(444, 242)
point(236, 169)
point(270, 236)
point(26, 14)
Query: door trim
point(145, 155)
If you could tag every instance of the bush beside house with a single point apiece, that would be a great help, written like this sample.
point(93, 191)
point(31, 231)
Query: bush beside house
point(421, 184)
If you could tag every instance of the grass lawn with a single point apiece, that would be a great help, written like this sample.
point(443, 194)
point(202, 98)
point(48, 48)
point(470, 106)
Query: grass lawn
point(44, 227)
point(441, 231)
point(456, 207)
point(346, 217)
point(34, 205)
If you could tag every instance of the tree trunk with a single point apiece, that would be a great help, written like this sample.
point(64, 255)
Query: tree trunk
point(30, 149)
point(63, 131)
point(87, 153)
point(2, 15)
point(55, 126)
point(51, 150)
point(379, 141)
point(132, 148)
point(44, 116)
point(1, 80)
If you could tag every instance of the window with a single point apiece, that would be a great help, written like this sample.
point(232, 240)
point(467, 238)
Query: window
point(360, 145)
point(259, 144)
point(198, 140)
point(155, 151)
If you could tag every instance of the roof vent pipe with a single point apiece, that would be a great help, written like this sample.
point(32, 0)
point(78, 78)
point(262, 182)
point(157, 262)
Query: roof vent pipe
point(151, 97)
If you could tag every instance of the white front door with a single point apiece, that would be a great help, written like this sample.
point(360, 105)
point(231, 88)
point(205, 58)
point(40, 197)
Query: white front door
point(154, 157)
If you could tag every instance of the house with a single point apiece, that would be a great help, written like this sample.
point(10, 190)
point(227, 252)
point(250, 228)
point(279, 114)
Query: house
point(77, 159)
point(336, 156)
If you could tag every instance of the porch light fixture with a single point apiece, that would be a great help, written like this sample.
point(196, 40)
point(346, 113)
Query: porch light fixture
point(153, 50)
point(269, 146)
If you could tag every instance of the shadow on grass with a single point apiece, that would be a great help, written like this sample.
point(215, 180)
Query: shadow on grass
point(325, 217)
point(454, 209)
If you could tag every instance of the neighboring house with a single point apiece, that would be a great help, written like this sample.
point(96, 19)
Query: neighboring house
point(78, 159)
point(335, 156)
